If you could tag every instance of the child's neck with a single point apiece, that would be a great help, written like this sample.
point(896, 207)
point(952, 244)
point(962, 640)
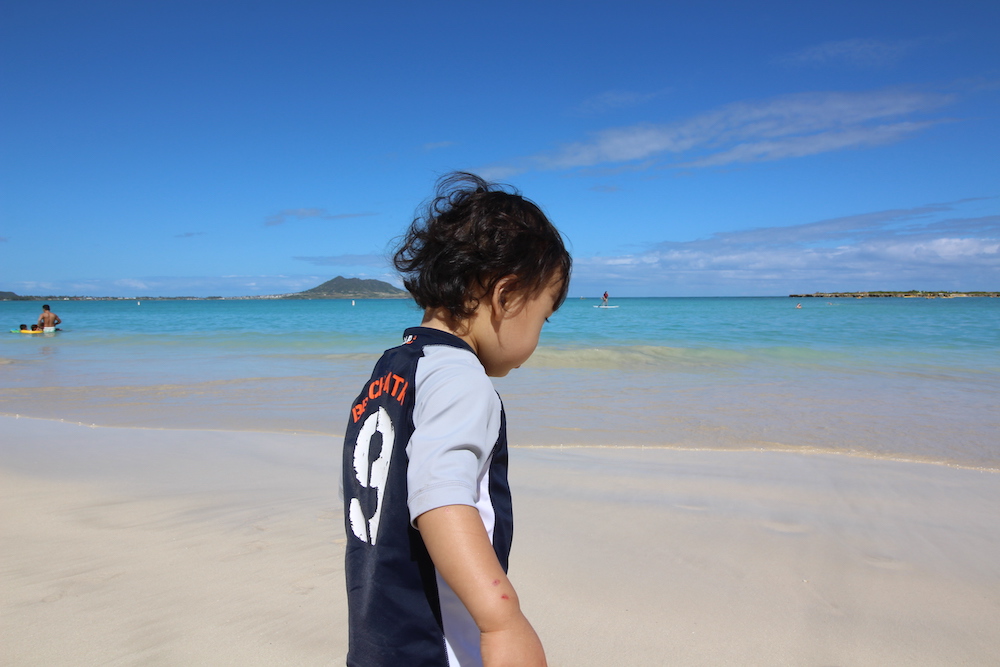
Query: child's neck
point(442, 320)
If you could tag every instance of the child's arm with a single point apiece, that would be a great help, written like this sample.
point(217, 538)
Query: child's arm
point(460, 548)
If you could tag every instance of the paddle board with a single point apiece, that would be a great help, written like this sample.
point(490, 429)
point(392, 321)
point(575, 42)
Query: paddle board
point(605, 306)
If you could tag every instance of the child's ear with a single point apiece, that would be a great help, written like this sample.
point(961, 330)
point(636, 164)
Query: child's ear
point(504, 298)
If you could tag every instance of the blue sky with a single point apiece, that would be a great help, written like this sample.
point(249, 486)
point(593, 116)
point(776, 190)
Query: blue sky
point(721, 148)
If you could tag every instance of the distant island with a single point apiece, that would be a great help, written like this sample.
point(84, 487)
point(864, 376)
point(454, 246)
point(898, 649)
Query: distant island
point(338, 288)
point(912, 294)
point(351, 288)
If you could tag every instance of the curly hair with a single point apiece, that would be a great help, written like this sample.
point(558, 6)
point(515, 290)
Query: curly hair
point(472, 234)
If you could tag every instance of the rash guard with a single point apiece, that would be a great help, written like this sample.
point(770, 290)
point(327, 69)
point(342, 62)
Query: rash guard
point(427, 430)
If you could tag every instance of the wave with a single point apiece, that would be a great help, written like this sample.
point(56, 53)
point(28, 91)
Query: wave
point(639, 357)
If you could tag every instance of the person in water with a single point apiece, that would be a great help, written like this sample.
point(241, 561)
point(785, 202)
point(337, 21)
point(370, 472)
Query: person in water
point(427, 505)
point(604, 299)
point(48, 320)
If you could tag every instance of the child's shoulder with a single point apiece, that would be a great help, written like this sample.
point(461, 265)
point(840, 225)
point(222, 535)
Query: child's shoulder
point(454, 376)
point(454, 361)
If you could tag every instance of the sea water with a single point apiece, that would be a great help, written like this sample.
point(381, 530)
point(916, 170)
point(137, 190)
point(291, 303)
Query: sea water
point(885, 377)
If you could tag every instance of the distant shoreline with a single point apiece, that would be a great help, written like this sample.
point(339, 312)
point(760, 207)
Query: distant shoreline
point(912, 294)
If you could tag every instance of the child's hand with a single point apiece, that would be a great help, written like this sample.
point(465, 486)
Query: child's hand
point(517, 646)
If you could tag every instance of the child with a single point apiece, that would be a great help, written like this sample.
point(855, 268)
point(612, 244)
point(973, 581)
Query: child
point(426, 500)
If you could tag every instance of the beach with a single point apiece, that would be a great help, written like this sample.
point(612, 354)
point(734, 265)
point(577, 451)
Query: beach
point(695, 482)
point(129, 546)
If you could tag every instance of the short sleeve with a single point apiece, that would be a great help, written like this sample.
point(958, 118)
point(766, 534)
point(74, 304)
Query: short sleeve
point(456, 419)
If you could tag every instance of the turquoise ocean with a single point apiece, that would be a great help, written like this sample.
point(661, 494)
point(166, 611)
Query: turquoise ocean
point(912, 379)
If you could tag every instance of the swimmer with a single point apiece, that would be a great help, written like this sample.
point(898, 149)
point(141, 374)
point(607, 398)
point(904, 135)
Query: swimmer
point(48, 320)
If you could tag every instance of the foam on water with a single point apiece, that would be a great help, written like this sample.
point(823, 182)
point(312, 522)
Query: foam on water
point(877, 377)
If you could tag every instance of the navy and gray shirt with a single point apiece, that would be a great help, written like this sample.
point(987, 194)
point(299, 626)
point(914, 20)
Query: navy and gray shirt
point(428, 430)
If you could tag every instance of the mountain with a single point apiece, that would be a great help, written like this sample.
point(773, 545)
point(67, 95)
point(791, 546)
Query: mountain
point(352, 288)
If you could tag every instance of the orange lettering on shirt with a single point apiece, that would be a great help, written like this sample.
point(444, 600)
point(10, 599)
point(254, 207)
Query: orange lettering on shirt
point(359, 410)
point(391, 384)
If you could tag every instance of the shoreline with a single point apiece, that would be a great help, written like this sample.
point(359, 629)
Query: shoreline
point(755, 447)
point(912, 294)
point(136, 546)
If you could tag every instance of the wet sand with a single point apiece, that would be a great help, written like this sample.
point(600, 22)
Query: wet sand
point(168, 547)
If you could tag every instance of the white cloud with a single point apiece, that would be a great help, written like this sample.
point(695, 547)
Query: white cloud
point(783, 127)
point(823, 142)
point(898, 249)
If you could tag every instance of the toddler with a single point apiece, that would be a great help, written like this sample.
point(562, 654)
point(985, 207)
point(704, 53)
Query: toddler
point(426, 500)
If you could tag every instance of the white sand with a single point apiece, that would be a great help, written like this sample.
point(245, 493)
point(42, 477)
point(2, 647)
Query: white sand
point(146, 547)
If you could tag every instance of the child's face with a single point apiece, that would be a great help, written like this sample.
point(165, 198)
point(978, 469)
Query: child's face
point(514, 335)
